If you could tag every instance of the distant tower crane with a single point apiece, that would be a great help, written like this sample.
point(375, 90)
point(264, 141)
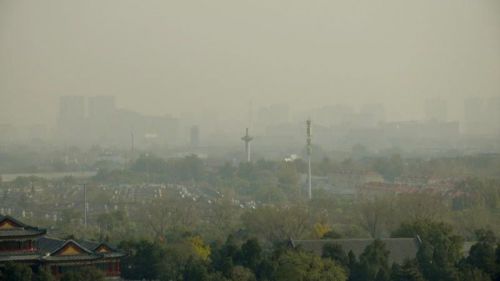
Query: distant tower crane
point(247, 139)
point(309, 149)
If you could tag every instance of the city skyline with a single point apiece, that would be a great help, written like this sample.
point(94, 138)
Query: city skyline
point(425, 109)
point(175, 57)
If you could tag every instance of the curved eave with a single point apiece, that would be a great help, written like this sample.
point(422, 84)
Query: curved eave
point(79, 258)
point(14, 236)
point(19, 238)
point(113, 255)
point(6, 258)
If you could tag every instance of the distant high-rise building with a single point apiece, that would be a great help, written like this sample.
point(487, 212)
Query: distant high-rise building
point(101, 113)
point(72, 107)
point(492, 115)
point(100, 107)
point(194, 136)
point(71, 119)
point(371, 115)
point(475, 116)
point(436, 110)
point(331, 115)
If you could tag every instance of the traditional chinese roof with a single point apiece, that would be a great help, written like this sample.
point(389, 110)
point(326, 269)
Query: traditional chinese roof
point(53, 249)
point(11, 228)
point(19, 257)
point(50, 249)
point(400, 249)
point(47, 245)
point(103, 248)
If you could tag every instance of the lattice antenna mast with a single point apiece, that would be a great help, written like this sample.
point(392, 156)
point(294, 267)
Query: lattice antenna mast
point(247, 139)
point(309, 150)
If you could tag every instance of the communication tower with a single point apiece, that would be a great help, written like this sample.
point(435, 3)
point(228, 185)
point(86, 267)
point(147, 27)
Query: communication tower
point(247, 139)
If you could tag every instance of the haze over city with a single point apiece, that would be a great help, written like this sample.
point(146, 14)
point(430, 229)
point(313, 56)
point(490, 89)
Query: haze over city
point(178, 57)
point(250, 140)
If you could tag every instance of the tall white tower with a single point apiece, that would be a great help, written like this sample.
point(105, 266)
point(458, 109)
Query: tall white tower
point(247, 139)
point(309, 149)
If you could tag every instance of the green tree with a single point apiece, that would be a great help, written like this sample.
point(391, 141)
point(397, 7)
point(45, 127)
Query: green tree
point(240, 273)
point(142, 259)
point(288, 178)
point(250, 254)
point(227, 171)
point(149, 164)
point(373, 263)
point(16, 272)
point(188, 168)
point(335, 252)
point(223, 257)
point(302, 266)
point(439, 251)
point(278, 223)
point(409, 271)
point(482, 254)
point(374, 215)
point(390, 168)
point(44, 275)
point(468, 273)
point(194, 270)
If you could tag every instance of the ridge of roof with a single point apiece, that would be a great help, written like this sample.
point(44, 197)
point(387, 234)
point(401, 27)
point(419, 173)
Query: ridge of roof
point(21, 224)
point(8, 217)
point(71, 241)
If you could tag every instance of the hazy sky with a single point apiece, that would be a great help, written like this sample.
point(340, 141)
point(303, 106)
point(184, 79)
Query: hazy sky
point(174, 56)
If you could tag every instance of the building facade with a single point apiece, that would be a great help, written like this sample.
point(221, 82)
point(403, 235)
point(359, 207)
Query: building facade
point(30, 245)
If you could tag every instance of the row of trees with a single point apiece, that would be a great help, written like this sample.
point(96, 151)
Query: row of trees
point(233, 260)
point(439, 258)
point(22, 272)
point(187, 257)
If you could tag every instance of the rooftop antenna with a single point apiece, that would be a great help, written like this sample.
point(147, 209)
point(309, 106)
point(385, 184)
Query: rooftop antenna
point(309, 149)
point(247, 139)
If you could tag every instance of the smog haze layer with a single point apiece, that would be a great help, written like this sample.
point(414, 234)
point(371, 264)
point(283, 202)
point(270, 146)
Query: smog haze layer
point(172, 57)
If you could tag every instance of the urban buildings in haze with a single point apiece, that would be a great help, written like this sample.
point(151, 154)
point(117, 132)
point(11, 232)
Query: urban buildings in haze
point(436, 110)
point(97, 120)
point(482, 116)
point(85, 121)
point(71, 120)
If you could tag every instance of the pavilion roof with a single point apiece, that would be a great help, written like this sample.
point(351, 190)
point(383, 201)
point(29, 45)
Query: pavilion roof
point(51, 249)
point(12, 228)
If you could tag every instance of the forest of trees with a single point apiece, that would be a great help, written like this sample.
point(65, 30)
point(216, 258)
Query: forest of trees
point(439, 257)
point(214, 236)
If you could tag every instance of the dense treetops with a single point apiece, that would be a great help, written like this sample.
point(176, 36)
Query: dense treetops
point(205, 221)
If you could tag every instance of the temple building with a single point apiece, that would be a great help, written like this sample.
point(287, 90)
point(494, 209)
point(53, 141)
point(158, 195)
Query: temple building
point(26, 244)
